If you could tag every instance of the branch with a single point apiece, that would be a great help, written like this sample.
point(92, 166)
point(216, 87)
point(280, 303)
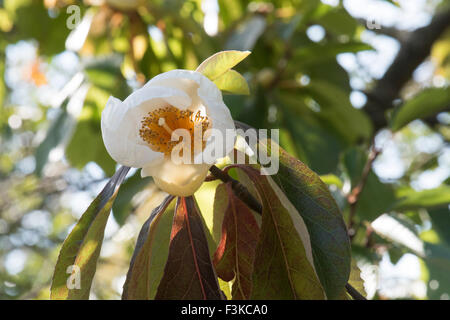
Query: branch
point(354, 293)
point(414, 49)
point(355, 194)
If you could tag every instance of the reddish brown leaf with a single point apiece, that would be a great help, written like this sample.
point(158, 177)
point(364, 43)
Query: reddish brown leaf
point(188, 273)
point(235, 254)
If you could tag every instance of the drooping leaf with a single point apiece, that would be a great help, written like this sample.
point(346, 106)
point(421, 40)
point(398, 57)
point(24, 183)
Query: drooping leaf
point(82, 247)
point(427, 103)
point(284, 266)
point(212, 219)
point(221, 62)
point(87, 145)
point(189, 273)
point(246, 35)
point(122, 206)
point(235, 254)
point(313, 201)
point(232, 82)
point(55, 135)
point(147, 261)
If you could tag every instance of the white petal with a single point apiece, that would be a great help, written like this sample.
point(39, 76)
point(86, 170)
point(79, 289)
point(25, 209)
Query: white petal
point(121, 123)
point(181, 180)
point(177, 98)
point(207, 95)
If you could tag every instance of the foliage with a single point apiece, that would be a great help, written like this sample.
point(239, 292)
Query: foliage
point(319, 213)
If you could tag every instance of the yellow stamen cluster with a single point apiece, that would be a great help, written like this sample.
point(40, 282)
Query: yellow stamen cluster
point(157, 127)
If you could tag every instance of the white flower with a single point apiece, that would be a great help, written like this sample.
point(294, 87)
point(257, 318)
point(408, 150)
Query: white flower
point(141, 131)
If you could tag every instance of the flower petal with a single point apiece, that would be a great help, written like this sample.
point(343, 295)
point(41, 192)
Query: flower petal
point(181, 180)
point(121, 123)
point(203, 92)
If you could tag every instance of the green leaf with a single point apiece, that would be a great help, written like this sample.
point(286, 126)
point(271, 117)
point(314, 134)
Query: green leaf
point(432, 198)
point(52, 31)
point(221, 62)
point(339, 22)
point(150, 255)
point(57, 132)
point(232, 82)
point(105, 74)
point(336, 111)
point(246, 35)
point(87, 145)
point(355, 278)
point(189, 273)
point(437, 260)
point(235, 254)
point(122, 206)
point(427, 103)
point(284, 267)
point(440, 219)
point(317, 52)
point(82, 247)
point(311, 137)
point(313, 201)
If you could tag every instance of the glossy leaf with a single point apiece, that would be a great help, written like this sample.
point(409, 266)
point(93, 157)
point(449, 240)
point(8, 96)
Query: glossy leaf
point(284, 267)
point(189, 273)
point(329, 239)
point(147, 262)
point(235, 254)
point(221, 62)
point(82, 247)
point(232, 82)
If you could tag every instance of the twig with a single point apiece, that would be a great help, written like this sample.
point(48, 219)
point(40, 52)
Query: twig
point(354, 293)
point(240, 191)
point(355, 194)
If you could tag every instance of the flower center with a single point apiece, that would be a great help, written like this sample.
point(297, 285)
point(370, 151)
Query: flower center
point(157, 128)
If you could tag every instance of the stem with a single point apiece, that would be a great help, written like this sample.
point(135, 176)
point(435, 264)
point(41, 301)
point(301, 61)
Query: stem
point(240, 191)
point(354, 293)
point(243, 194)
point(355, 194)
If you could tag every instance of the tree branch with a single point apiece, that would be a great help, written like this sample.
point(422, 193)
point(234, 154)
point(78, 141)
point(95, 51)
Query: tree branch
point(354, 293)
point(354, 195)
point(414, 49)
